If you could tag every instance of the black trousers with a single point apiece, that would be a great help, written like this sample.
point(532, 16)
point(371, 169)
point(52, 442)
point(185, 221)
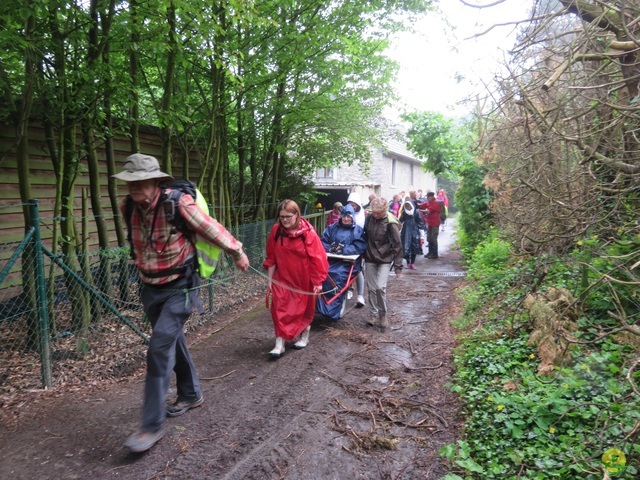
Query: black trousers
point(168, 309)
point(432, 240)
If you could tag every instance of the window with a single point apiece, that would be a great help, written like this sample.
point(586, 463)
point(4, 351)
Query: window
point(324, 172)
point(393, 171)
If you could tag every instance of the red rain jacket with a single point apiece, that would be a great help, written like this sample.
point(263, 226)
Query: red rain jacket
point(301, 263)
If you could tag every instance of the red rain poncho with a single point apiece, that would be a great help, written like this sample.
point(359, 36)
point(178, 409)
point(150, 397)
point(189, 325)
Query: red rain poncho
point(301, 263)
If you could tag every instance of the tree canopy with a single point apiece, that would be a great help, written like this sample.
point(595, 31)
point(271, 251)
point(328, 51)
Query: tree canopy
point(264, 92)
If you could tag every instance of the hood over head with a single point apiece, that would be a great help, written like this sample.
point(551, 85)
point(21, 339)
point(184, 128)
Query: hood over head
point(355, 198)
point(348, 211)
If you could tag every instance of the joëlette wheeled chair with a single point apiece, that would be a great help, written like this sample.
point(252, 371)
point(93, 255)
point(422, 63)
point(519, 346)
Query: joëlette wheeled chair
point(343, 271)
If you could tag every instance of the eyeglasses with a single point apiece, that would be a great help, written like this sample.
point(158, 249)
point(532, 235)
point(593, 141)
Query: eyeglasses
point(286, 217)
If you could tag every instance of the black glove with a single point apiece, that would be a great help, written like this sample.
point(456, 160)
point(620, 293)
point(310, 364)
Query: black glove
point(339, 248)
point(334, 245)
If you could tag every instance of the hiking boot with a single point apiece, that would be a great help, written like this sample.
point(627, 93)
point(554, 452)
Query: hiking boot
point(304, 339)
point(180, 406)
point(384, 323)
point(142, 441)
point(278, 350)
point(360, 303)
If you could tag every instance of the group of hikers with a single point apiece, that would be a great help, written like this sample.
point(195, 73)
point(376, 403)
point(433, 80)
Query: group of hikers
point(169, 231)
point(420, 217)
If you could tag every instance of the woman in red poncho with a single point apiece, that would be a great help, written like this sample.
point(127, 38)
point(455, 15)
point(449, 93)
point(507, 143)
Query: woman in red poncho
point(297, 265)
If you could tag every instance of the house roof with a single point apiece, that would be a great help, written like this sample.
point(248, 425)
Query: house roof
point(332, 184)
point(396, 147)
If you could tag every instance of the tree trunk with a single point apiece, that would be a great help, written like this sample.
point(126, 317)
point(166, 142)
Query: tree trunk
point(242, 159)
point(21, 119)
point(78, 297)
point(273, 155)
point(167, 96)
point(104, 272)
point(134, 105)
point(82, 344)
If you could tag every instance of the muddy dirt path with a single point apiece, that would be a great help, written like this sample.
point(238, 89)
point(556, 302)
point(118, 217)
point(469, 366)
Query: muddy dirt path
point(357, 403)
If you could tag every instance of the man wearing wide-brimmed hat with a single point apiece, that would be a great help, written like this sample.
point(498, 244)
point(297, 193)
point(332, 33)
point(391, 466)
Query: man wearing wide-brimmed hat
point(165, 259)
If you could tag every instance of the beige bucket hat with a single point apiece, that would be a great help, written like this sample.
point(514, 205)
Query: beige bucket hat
point(141, 167)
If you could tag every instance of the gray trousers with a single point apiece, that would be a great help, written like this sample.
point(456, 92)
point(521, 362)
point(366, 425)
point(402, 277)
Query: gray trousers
point(360, 283)
point(377, 276)
point(168, 309)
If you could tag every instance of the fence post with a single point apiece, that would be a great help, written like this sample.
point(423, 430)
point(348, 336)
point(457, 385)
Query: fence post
point(41, 296)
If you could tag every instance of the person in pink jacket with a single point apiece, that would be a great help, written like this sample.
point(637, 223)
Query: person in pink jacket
point(334, 214)
point(442, 197)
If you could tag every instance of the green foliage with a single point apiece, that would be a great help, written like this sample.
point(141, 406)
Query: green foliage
point(443, 144)
point(451, 476)
point(257, 89)
point(518, 424)
point(496, 276)
point(601, 275)
point(608, 273)
point(490, 257)
point(472, 199)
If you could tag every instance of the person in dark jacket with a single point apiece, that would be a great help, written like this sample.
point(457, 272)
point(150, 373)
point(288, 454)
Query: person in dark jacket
point(411, 225)
point(342, 238)
point(384, 249)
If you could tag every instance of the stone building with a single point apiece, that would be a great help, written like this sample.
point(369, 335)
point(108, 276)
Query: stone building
point(393, 170)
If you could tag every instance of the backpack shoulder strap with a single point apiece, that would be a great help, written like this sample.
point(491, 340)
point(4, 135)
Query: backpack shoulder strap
point(172, 192)
point(171, 206)
point(367, 221)
point(170, 203)
point(391, 220)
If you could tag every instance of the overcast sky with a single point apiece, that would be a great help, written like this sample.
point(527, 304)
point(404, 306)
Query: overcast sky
point(440, 65)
